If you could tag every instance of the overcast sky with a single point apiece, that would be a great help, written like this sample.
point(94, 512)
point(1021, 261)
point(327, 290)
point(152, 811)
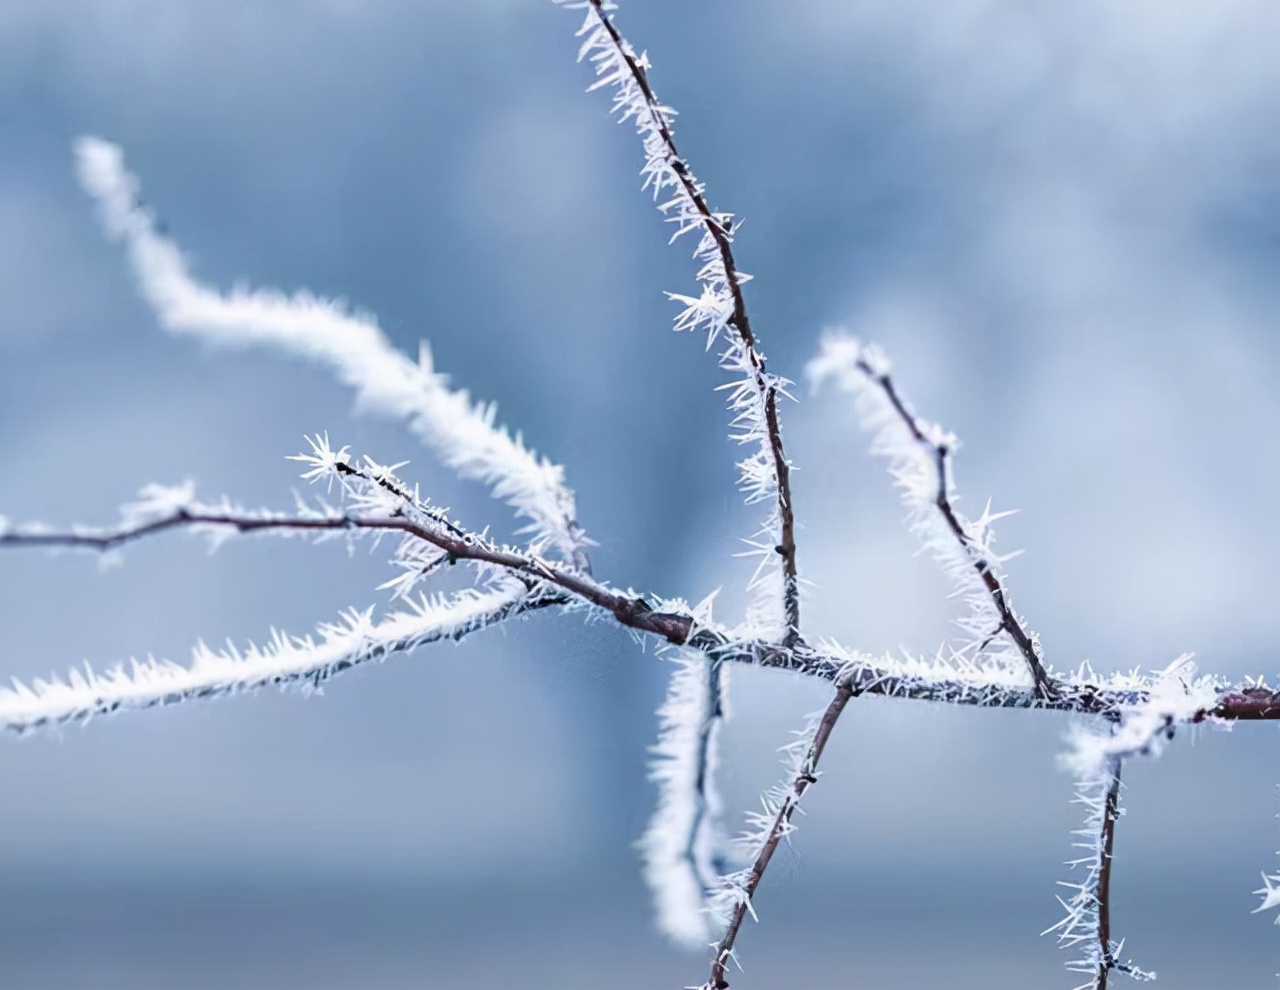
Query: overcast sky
point(1061, 220)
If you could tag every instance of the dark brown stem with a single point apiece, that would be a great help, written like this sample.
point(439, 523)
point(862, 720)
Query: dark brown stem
point(1110, 814)
point(806, 776)
point(999, 597)
point(766, 386)
point(390, 483)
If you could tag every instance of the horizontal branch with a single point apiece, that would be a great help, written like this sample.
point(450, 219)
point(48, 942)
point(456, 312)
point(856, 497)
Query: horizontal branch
point(967, 684)
point(961, 683)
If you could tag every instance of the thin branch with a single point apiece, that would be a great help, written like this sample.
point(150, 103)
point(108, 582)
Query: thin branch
point(618, 64)
point(1088, 919)
point(806, 774)
point(630, 610)
point(841, 355)
point(682, 848)
point(196, 516)
point(1102, 889)
point(1009, 622)
point(463, 434)
point(285, 661)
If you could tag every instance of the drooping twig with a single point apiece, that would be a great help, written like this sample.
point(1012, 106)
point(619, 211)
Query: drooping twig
point(683, 847)
point(1142, 728)
point(1110, 815)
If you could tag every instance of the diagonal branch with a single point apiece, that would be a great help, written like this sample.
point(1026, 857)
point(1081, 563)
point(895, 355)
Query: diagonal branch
point(463, 434)
point(941, 452)
point(855, 367)
point(741, 887)
point(767, 473)
point(172, 509)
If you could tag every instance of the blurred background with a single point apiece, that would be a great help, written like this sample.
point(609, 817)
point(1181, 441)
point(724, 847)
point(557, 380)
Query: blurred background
point(1061, 220)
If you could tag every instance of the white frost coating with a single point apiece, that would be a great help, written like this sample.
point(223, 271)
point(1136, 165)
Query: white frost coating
point(1172, 699)
point(681, 849)
point(671, 181)
point(777, 809)
point(284, 660)
point(1080, 926)
point(463, 434)
point(1270, 891)
point(1173, 696)
point(858, 369)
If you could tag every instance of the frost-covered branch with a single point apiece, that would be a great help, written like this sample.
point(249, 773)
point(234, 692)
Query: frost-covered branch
point(1176, 697)
point(773, 824)
point(919, 454)
point(284, 660)
point(1088, 920)
point(764, 475)
point(463, 434)
point(218, 520)
point(686, 864)
point(683, 847)
point(164, 509)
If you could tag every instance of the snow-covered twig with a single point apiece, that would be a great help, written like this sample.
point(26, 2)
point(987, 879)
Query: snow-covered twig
point(463, 434)
point(1174, 698)
point(919, 455)
point(682, 848)
point(307, 662)
point(765, 474)
point(1088, 920)
point(733, 900)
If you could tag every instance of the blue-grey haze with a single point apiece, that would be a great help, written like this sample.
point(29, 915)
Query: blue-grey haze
point(1062, 221)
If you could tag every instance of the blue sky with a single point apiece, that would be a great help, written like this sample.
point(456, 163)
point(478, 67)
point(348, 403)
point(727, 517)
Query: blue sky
point(1062, 221)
